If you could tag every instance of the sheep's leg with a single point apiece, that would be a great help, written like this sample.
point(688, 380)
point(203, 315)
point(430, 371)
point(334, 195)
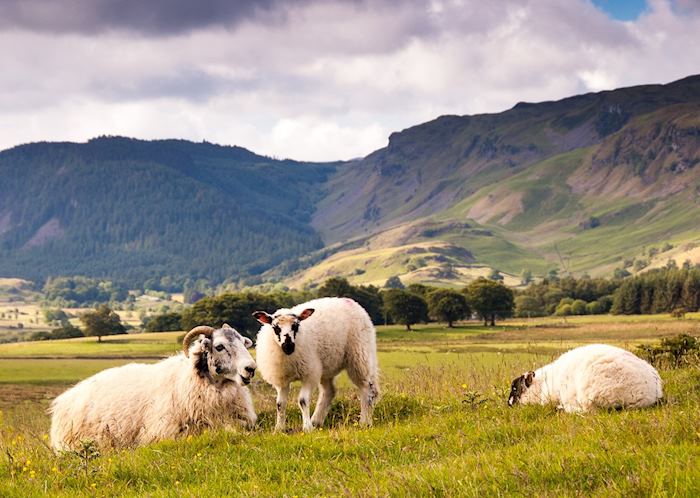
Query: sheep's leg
point(282, 395)
point(369, 392)
point(251, 418)
point(324, 402)
point(304, 401)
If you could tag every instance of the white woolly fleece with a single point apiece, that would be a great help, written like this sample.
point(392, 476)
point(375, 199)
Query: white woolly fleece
point(595, 376)
point(136, 404)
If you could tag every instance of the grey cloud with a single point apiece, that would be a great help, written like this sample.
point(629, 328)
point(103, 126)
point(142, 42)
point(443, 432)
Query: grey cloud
point(161, 17)
point(187, 84)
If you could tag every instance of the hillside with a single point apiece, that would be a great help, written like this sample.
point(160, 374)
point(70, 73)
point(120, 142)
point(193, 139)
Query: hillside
point(586, 184)
point(581, 184)
point(133, 210)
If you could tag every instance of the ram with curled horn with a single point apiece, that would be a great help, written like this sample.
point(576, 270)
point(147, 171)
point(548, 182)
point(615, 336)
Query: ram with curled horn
point(204, 330)
point(136, 404)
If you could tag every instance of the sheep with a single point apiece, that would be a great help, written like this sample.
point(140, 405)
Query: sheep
point(313, 342)
point(137, 404)
point(593, 376)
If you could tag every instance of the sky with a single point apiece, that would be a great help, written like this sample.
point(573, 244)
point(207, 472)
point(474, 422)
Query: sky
point(316, 79)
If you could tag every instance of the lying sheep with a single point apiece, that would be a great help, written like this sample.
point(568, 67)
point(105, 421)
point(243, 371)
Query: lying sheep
point(137, 404)
point(313, 342)
point(594, 376)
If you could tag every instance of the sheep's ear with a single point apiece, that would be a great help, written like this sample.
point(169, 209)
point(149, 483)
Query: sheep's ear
point(528, 378)
point(306, 313)
point(262, 317)
point(226, 326)
point(247, 342)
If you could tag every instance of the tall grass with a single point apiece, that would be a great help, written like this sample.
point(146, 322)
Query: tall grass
point(442, 428)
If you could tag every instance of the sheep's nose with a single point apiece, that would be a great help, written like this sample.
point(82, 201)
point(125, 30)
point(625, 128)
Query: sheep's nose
point(218, 369)
point(250, 370)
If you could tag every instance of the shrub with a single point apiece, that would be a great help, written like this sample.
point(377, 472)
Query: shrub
point(594, 308)
point(578, 307)
point(563, 310)
point(673, 352)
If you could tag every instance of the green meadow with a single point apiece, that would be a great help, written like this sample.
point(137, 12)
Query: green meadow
point(442, 427)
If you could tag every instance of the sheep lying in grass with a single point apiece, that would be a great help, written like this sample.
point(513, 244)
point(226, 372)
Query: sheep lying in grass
point(594, 376)
point(136, 404)
point(313, 342)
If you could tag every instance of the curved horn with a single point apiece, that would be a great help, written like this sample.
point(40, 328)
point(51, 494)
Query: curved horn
point(201, 329)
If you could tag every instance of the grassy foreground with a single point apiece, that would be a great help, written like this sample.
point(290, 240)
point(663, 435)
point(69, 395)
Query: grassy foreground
point(442, 428)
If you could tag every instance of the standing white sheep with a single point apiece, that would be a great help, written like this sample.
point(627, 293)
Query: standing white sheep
point(313, 342)
point(137, 404)
point(594, 376)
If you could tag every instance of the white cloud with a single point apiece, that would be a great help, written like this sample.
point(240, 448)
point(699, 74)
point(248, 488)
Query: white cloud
point(331, 80)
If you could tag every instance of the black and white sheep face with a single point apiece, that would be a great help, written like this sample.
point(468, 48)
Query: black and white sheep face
point(284, 326)
point(228, 356)
point(519, 386)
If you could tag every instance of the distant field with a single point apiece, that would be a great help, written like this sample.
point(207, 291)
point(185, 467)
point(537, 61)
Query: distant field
point(442, 427)
point(24, 315)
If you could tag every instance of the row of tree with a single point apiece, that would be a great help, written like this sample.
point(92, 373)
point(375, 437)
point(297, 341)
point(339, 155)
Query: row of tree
point(550, 295)
point(659, 291)
point(415, 304)
point(663, 290)
point(79, 291)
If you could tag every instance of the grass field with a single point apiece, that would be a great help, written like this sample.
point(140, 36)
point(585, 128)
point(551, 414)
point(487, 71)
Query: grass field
point(442, 427)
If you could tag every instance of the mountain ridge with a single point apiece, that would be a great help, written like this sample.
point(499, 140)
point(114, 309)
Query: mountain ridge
point(584, 184)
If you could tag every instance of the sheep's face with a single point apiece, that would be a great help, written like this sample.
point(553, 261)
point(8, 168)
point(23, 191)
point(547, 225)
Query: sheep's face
point(284, 326)
point(228, 356)
point(519, 387)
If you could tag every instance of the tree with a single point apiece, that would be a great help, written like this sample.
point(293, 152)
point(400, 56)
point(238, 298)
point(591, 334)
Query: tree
point(594, 308)
point(527, 306)
point(404, 307)
point(525, 277)
point(233, 308)
point(553, 275)
point(102, 321)
point(495, 275)
point(421, 290)
point(55, 315)
point(620, 273)
point(366, 296)
point(447, 305)
point(578, 307)
point(393, 283)
point(490, 299)
point(66, 331)
point(563, 310)
point(164, 323)
point(335, 287)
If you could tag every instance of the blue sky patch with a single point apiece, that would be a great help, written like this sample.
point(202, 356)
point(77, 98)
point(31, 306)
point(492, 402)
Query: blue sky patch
point(622, 10)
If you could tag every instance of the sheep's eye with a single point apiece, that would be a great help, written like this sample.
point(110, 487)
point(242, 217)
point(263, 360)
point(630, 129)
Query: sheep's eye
point(220, 347)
